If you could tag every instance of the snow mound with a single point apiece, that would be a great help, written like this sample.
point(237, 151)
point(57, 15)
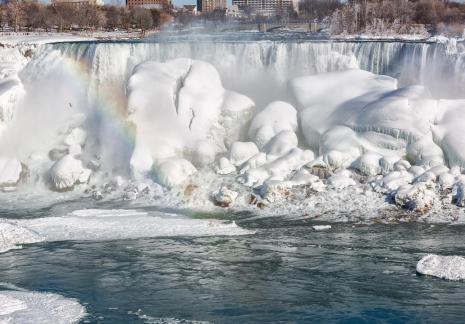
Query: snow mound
point(180, 110)
point(278, 116)
point(37, 307)
point(445, 267)
point(67, 172)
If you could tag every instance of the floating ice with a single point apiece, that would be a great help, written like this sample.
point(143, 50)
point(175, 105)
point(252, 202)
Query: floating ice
point(445, 267)
point(36, 307)
point(101, 225)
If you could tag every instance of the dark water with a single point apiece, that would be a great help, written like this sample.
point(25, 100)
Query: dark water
point(286, 272)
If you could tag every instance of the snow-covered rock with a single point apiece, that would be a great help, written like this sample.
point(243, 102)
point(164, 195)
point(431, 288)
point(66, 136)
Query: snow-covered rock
point(445, 267)
point(174, 172)
point(369, 164)
point(416, 197)
point(67, 172)
point(225, 166)
point(275, 190)
point(460, 193)
point(278, 169)
point(241, 152)
point(224, 197)
point(341, 180)
point(278, 116)
point(281, 143)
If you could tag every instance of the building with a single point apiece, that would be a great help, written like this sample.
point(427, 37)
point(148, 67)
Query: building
point(204, 6)
point(148, 4)
point(265, 7)
point(80, 2)
point(190, 9)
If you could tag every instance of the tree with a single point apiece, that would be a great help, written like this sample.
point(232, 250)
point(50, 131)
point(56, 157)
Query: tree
point(113, 17)
point(142, 19)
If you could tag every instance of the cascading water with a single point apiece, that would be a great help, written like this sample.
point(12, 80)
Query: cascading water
point(438, 66)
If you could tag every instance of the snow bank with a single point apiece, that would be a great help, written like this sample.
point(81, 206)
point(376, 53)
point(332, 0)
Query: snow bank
point(445, 267)
point(37, 307)
point(181, 110)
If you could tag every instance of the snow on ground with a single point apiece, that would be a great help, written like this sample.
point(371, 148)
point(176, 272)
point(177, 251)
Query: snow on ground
point(102, 225)
point(36, 307)
point(444, 267)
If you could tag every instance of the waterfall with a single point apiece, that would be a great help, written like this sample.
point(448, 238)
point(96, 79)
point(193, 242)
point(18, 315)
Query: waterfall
point(438, 66)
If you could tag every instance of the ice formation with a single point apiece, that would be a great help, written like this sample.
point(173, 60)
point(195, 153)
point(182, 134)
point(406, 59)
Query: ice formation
point(445, 267)
point(101, 225)
point(35, 307)
point(160, 124)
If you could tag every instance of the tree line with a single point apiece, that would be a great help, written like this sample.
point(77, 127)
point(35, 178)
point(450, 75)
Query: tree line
point(387, 16)
point(27, 15)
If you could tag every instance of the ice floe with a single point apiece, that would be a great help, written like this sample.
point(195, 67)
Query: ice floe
point(445, 267)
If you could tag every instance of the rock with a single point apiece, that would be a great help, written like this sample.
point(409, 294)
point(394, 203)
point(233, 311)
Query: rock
point(224, 197)
point(388, 163)
point(304, 177)
point(10, 171)
point(445, 267)
point(446, 180)
point(173, 172)
point(395, 179)
point(460, 194)
point(281, 143)
point(336, 159)
point(402, 165)
point(415, 197)
point(416, 170)
point(275, 190)
point(225, 167)
point(240, 152)
point(67, 172)
point(369, 164)
point(97, 195)
point(341, 180)
point(427, 177)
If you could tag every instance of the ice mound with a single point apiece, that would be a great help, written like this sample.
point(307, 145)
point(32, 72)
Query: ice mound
point(102, 225)
point(445, 267)
point(37, 307)
point(67, 172)
point(180, 110)
point(278, 116)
